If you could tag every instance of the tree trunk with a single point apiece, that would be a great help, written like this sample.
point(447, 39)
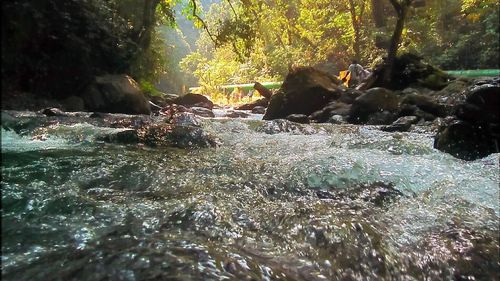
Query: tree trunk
point(357, 31)
point(378, 13)
point(263, 91)
point(401, 11)
point(148, 21)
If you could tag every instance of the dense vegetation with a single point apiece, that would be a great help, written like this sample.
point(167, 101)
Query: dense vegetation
point(54, 47)
point(263, 39)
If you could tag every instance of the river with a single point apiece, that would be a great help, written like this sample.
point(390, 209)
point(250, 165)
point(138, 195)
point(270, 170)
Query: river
point(274, 201)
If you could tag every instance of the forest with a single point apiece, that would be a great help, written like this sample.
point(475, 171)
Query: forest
point(213, 43)
point(287, 140)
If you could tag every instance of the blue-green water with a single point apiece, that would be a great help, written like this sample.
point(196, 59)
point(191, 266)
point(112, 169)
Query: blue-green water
point(318, 202)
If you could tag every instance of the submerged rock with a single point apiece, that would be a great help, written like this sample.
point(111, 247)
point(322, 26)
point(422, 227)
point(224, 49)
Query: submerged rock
point(123, 136)
point(402, 124)
point(284, 126)
point(183, 129)
point(378, 193)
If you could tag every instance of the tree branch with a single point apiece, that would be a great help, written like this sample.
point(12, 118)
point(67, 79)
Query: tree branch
point(232, 8)
point(205, 26)
point(396, 5)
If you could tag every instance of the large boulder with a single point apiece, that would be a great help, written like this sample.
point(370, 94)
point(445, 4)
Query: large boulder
point(466, 140)
point(374, 104)
point(197, 100)
point(304, 91)
point(475, 132)
point(482, 105)
point(410, 70)
point(116, 94)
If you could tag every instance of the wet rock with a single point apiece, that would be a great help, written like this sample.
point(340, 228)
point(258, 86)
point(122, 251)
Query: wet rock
point(260, 103)
point(172, 109)
point(202, 111)
point(163, 100)
point(259, 110)
point(482, 105)
point(98, 115)
point(337, 119)
point(237, 114)
point(194, 100)
point(304, 91)
point(123, 136)
point(378, 193)
point(298, 118)
point(454, 93)
point(468, 141)
point(349, 95)
point(191, 137)
point(284, 126)
point(381, 118)
point(116, 94)
point(476, 131)
point(402, 124)
point(185, 119)
point(20, 121)
point(333, 108)
point(375, 100)
point(53, 112)
point(426, 104)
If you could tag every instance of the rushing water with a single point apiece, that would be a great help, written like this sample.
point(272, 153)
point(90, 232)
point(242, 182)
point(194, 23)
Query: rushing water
point(272, 202)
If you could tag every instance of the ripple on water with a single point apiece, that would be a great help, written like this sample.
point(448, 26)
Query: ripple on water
point(287, 205)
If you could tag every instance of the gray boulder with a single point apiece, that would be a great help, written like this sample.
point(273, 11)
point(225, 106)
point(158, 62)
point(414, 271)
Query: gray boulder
point(116, 94)
point(374, 101)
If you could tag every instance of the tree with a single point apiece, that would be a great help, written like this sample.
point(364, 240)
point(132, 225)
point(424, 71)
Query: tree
point(357, 22)
point(401, 7)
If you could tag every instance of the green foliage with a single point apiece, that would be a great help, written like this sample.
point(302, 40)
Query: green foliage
point(151, 62)
point(148, 88)
point(272, 36)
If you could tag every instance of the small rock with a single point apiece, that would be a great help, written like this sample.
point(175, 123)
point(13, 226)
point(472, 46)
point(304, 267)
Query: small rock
point(237, 114)
point(123, 136)
point(185, 119)
point(53, 112)
point(202, 111)
point(298, 118)
point(402, 124)
point(337, 119)
point(259, 110)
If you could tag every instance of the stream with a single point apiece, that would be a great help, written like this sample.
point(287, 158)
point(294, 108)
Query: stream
point(274, 201)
